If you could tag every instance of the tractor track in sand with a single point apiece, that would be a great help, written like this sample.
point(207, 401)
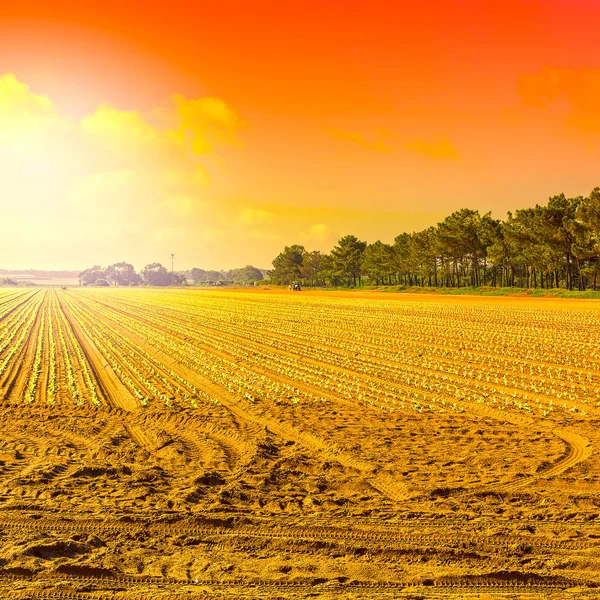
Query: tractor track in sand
point(213, 529)
point(106, 582)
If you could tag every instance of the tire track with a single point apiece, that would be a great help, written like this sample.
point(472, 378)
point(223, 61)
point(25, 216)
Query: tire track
point(578, 450)
point(206, 529)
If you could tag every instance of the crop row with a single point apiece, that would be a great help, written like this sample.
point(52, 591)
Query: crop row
point(377, 375)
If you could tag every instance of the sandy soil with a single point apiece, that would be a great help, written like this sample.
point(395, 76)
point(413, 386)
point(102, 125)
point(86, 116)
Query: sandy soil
point(277, 445)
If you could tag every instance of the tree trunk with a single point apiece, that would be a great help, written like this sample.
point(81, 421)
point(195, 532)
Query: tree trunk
point(569, 274)
point(484, 269)
point(580, 278)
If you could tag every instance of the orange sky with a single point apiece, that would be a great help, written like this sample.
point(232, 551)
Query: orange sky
point(323, 118)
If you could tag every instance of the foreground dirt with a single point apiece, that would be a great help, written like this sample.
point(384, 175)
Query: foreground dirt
point(193, 489)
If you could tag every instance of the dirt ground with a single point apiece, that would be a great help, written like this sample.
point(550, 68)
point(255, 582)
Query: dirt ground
point(268, 444)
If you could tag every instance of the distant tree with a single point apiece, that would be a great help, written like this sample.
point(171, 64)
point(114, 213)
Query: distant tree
point(156, 274)
point(213, 276)
point(245, 275)
point(198, 275)
point(122, 274)
point(287, 266)
point(178, 278)
point(91, 275)
point(101, 283)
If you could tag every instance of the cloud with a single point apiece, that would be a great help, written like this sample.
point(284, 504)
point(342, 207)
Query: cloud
point(319, 232)
point(18, 105)
point(383, 141)
point(255, 216)
point(440, 148)
point(205, 122)
point(262, 235)
point(132, 181)
point(380, 143)
point(134, 185)
point(572, 93)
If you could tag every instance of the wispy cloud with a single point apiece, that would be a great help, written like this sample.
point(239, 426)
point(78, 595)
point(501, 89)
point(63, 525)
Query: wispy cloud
point(385, 141)
point(577, 90)
point(439, 148)
point(380, 142)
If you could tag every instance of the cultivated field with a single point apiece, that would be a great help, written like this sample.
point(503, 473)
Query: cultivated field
point(265, 444)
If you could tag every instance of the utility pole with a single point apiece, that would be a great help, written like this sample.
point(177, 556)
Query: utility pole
point(172, 263)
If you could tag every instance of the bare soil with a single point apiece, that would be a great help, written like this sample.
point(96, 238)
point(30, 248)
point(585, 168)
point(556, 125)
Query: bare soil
point(341, 471)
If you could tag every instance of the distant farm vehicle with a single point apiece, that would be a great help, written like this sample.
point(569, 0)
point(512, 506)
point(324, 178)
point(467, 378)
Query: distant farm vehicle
point(296, 286)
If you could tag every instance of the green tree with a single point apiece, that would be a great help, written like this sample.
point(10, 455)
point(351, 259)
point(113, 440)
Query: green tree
point(314, 267)
point(459, 238)
point(287, 266)
point(588, 216)
point(122, 274)
point(560, 216)
point(378, 262)
point(245, 275)
point(423, 255)
point(347, 258)
point(156, 274)
point(402, 257)
point(197, 275)
point(91, 275)
point(213, 276)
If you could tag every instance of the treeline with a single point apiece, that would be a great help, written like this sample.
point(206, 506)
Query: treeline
point(550, 246)
point(244, 276)
point(124, 274)
point(39, 274)
point(7, 281)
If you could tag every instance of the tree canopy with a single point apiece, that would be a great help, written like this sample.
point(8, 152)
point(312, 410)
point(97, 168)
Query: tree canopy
point(91, 275)
point(551, 245)
point(157, 274)
point(122, 274)
point(287, 266)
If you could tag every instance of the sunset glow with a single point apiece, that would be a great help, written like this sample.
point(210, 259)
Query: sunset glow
point(224, 131)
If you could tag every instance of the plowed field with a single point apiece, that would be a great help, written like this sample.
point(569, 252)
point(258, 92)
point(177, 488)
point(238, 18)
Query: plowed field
point(265, 444)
